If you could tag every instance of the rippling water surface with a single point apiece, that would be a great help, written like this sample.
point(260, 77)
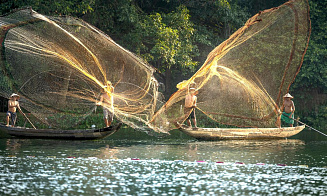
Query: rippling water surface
point(124, 165)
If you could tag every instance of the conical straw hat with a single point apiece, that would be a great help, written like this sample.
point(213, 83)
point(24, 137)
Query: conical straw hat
point(288, 96)
point(14, 95)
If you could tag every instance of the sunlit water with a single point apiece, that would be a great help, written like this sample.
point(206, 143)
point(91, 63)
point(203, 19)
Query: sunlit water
point(123, 165)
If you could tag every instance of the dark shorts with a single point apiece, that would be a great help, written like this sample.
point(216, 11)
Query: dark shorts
point(192, 115)
point(13, 116)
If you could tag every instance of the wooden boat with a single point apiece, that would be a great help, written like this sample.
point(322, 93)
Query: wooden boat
point(88, 134)
point(241, 133)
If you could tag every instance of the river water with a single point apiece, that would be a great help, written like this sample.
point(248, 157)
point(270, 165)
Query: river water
point(133, 163)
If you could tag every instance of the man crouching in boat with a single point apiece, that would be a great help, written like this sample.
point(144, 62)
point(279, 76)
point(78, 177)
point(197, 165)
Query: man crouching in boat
point(289, 108)
point(13, 104)
point(107, 102)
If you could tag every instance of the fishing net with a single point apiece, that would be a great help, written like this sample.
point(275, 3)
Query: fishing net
point(58, 65)
point(243, 80)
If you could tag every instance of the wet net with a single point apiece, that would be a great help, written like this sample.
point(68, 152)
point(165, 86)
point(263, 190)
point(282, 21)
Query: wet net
point(59, 65)
point(243, 80)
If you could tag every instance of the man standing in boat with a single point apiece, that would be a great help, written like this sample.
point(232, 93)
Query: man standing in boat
point(13, 105)
point(107, 102)
point(190, 104)
point(288, 109)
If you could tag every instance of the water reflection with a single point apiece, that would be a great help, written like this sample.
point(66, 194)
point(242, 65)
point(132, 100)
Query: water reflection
point(162, 167)
point(285, 151)
point(93, 176)
point(268, 151)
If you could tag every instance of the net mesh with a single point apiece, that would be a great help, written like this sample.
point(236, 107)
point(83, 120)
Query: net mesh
point(58, 65)
point(243, 80)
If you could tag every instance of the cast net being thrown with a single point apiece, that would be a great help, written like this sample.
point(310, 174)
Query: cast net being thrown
point(58, 65)
point(243, 79)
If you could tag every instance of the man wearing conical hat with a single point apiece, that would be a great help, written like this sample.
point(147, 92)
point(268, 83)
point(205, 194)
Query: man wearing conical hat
point(13, 105)
point(288, 109)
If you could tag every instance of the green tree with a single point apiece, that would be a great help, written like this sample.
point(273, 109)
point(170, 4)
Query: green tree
point(314, 70)
point(255, 6)
point(176, 36)
point(116, 18)
point(50, 7)
point(310, 86)
point(166, 42)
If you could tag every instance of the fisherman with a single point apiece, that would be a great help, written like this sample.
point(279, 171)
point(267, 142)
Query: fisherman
point(190, 104)
point(13, 105)
point(288, 109)
point(107, 102)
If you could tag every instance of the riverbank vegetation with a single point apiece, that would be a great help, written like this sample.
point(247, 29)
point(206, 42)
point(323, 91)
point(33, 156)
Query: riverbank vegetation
point(175, 36)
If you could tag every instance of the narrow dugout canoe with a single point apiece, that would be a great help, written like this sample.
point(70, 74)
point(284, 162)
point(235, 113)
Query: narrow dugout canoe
point(87, 134)
point(241, 133)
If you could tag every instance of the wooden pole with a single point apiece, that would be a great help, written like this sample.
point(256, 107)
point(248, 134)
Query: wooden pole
point(27, 118)
point(307, 126)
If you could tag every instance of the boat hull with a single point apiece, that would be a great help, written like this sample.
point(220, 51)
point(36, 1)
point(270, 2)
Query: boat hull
point(88, 134)
point(241, 133)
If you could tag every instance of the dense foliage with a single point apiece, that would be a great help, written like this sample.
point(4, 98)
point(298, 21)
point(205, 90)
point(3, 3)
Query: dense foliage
point(175, 36)
point(310, 86)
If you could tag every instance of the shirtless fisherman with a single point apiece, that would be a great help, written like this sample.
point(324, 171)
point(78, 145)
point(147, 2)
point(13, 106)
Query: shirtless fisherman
point(288, 109)
point(190, 104)
point(13, 105)
point(107, 102)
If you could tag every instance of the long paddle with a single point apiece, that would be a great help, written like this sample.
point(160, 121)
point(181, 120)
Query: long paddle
point(307, 125)
point(27, 118)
